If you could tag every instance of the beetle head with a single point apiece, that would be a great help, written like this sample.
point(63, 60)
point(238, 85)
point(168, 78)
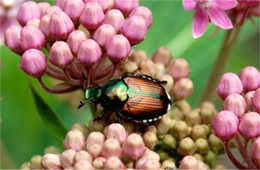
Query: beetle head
point(93, 94)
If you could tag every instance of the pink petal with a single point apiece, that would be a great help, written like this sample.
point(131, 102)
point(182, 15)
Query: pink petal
point(189, 4)
point(226, 4)
point(200, 22)
point(219, 18)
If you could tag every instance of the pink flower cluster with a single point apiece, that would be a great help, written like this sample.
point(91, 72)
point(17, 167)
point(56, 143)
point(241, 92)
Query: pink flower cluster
point(241, 111)
point(86, 40)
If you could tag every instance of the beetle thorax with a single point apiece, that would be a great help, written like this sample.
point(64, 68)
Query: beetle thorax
point(117, 91)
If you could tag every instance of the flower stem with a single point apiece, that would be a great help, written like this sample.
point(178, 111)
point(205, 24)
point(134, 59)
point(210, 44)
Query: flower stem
point(247, 157)
point(221, 62)
point(231, 157)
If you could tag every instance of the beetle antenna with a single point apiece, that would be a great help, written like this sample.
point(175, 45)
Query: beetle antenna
point(81, 104)
point(84, 76)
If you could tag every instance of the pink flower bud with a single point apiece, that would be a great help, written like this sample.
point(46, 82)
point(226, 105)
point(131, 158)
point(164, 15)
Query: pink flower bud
point(28, 11)
point(43, 6)
point(111, 148)
point(74, 140)
point(53, 9)
point(103, 3)
point(60, 54)
point(147, 67)
point(162, 55)
point(145, 13)
point(179, 68)
point(150, 164)
point(34, 22)
point(114, 163)
point(51, 161)
point(92, 16)
point(126, 6)
point(99, 163)
point(83, 155)
point(60, 25)
point(134, 146)
point(73, 9)
point(95, 138)
point(250, 78)
point(248, 98)
point(189, 163)
point(182, 88)
point(118, 42)
point(134, 29)
point(95, 150)
point(235, 103)
point(255, 149)
point(44, 24)
point(256, 100)
point(103, 34)
point(67, 158)
point(74, 40)
point(33, 62)
point(83, 165)
point(225, 125)
point(89, 52)
point(32, 37)
point(60, 3)
point(115, 18)
point(249, 125)
point(116, 131)
point(12, 38)
point(229, 84)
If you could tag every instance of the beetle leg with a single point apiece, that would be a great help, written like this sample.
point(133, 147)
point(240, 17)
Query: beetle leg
point(118, 118)
point(100, 116)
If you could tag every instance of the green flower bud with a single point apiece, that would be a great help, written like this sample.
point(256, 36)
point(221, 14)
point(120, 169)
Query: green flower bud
point(168, 164)
point(175, 113)
point(169, 142)
point(151, 128)
point(207, 112)
point(186, 146)
point(159, 70)
point(164, 125)
point(215, 143)
point(184, 106)
point(210, 158)
point(163, 155)
point(198, 131)
point(198, 156)
point(52, 149)
point(128, 67)
point(36, 162)
point(192, 118)
point(81, 127)
point(138, 56)
point(207, 129)
point(26, 166)
point(202, 146)
point(180, 130)
point(220, 167)
point(150, 139)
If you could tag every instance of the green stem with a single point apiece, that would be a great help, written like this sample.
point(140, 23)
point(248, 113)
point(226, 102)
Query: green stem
point(220, 64)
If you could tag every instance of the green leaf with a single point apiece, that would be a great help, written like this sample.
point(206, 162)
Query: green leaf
point(51, 120)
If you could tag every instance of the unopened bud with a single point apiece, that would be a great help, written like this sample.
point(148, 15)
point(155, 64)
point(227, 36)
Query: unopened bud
point(81, 127)
point(249, 125)
point(103, 3)
point(250, 78)
point(51, 161)
point(36, 162)
point(215, 143)
point(34, 22)
point(129, 67)
point(182, 88)
point(83, 165)
point(198, 156)
point(179, 68)
point(220, 167)
point(44, 25)
point(150, 139)
point(74, 140)
point(53, 9)
point(248, 98)
point(99, 162)
point(202, 145)
point(75, 39)
point(164, 125)
point(169, 85)
point(152, 129)
point(115, 18)
point(168, 164)
point(97, 125)
point(147, 67)
point(83, 155)
point(186, 146)
point(95, 138)
point(28, 11)
point(73, 9)
point(169, 142)
point(189, 163)
point(103, 34)
point(192, 118)
point(67, 158)
point(26, 166)
point(256, 99)
point(12, 39)
point(111, 148)
point(198, 131)
point(126, 6)
point(184, 106)
point(138, 56)
point(32, 37)
point(235, 103)
point(116, 131)
point(207, 112)
point(175, 113)
point(180, 129)
point(145, 13)
point(60, 3)
point(159, 70)
point(210, 158)
point(43, 6)
point(52, 149)
point(150, 164)
point(114, 163)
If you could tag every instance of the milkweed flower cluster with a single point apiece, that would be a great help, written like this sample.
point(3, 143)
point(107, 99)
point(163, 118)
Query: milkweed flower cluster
point(81, 38)
point(240, 115)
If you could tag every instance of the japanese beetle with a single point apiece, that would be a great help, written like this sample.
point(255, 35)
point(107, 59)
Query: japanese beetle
point(139, 98)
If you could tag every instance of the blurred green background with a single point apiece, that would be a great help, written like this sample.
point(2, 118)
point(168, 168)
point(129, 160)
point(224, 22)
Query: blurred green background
point(23, 133)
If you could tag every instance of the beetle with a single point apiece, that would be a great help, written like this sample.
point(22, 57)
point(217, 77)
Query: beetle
point(140, 98)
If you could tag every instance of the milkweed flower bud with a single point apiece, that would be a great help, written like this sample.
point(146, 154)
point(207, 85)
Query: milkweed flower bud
point(92, 16)
point(186, 146)
point(52, 149)
point(225, 125)
point(134, 146)
point(138, 56)
point(255, 150)
point(114, 163)
point(169, 142)
point(95, 150)
point(250, 78)
point(60, 3)
point(256, 99)
point(28, 11)
point(180, 129)
point(248, 98)
point(159, 70)
point(43, 6)
point(115, 18)
point(182, 88)
point(34, 22)
point(210, 158)
point(249, 125)
point(74, 40)
point(51, 161)
point(36, 162)
point(168, 164)
point(73, 9)
point(83, 165)
point(53, 9)
point(60, 25)
point(67, 158)
point(32, 37)
point(60, 54)
point(83, 155)
point(33, 62)
point(145, 13)
point(129, 67)
point(103, 34)
point(103, 3)
point(111, 148)
point(150, 139)
point(198, 131)
point(74, 140)
point(162, 55)
point(184, 106)
point(164, 125)
point(126, 6)
point(202, 145)
point(179, 68)
point(168, 86)
point(44, 24)
point(89, 52)
point(215, 143)
point(81, 127)
point(95, 138)
point(12, 38)
point(192, 118)
point(134, 29)
point(147, 67)
point(235, 103)
point(189, 163)
point(198, 156)
point(150, 164)
point(229, 84)
point(207, 112)
point(118, 42)
point(99, 163)
point(116, 131)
